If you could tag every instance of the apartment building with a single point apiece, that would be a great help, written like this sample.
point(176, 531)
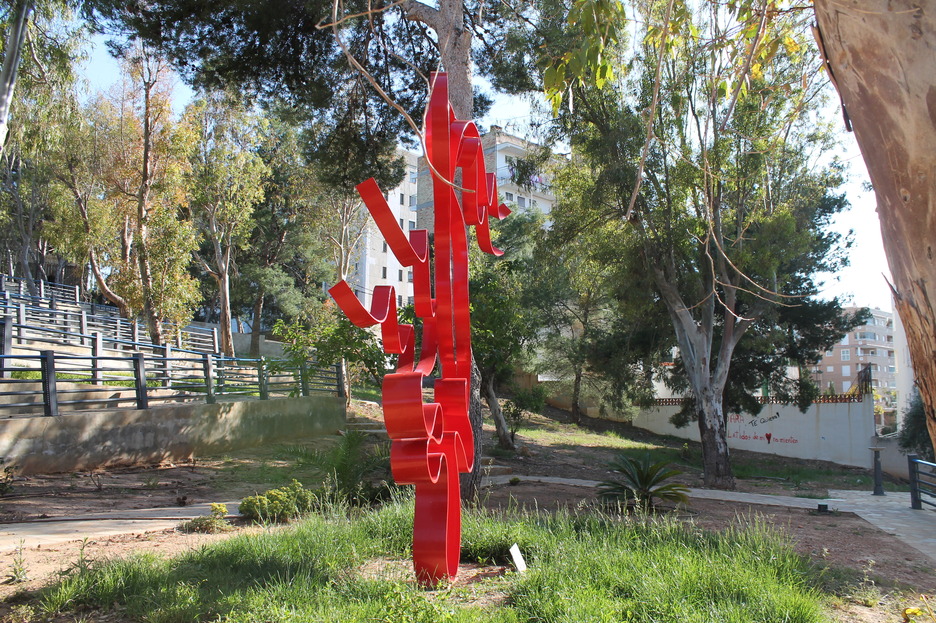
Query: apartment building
point(874, 345)
point(375, 264)
point(501, 152)
point(411, 203)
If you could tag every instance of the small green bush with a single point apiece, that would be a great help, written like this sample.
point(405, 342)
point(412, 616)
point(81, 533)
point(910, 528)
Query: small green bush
point(6, 477)
point(278, 505)
point(523, 400)
point(212, 523)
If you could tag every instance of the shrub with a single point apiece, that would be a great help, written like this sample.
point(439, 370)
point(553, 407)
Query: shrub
point(356, 472)
point(6, 477)
point(642, 481)
point(914, 438)
point(212, 523)
point(523, 400)
point(283, 504)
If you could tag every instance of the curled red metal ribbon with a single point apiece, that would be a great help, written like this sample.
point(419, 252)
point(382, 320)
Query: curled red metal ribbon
point(432, 443)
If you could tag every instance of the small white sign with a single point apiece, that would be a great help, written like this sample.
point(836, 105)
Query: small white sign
point(518, 561)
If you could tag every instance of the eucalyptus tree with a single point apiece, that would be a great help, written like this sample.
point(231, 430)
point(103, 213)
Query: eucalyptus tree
point(46, 87)
point(18, 23)
point(285, 263)
point(721, 182)
point(227, 177)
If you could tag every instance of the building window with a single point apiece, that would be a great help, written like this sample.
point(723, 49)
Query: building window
point(412, 200)
point(828, 353)
point(412, 176)
point(508, 197)
point(521, 201)
point(846, 385)
point(844, 341)
point(409, 300)
point(412, 224)
point(892, 369)
point(846, 354)
point(383, 272)
point(402, 198)
point(401, 223)
point(866, 335)
point(399, 300)
point(830, 368)
point(409, 276)
point(846, 371)
point(399, 275)
point(384, 246)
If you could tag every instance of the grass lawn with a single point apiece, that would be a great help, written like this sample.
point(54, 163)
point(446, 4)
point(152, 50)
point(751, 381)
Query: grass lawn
point(346, 566)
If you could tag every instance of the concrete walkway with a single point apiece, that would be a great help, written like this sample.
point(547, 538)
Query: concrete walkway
point(61, 530)
point(891, 513)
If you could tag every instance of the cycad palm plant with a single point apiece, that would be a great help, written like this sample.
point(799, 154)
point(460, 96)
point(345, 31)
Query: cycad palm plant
point(641, 482)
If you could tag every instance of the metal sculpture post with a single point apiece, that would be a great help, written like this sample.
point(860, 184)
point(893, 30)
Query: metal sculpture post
point(432, 443)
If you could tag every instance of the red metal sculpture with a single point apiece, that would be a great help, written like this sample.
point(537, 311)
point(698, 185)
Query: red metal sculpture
point(432, 443)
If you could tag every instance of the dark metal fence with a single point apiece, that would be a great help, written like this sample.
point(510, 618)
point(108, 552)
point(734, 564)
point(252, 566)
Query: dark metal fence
point(72, 321)
point(49, 383)
point(922, 482)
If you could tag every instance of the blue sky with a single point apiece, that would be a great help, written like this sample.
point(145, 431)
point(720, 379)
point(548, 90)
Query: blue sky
point(862, 283)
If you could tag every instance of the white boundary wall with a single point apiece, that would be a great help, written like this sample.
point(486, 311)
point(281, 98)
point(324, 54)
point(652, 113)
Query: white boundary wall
point(837, 432)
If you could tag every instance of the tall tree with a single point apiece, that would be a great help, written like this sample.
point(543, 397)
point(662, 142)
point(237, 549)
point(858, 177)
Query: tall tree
point(92, 227)
point(146, 163)
point(227, 179)
point(46, 86)
point(503, 325)
point(12, 54)
point(286, 263)
point(727, 205)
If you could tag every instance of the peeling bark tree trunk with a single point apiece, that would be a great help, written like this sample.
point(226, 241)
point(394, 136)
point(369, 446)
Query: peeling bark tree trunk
point(504, 440)
point(470, 483)
point(716, 462)
point(16, 38)
point(881, 54)
point(255, 327)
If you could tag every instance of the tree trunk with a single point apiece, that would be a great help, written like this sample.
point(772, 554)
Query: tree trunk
point(576, 394)
point(224, 303)
point(504, 440)
point(111, 296)
point(471, 482)
point(16, 38)
point(716, 461)
point(255, 325)
point(150, 317)
point(881, 57)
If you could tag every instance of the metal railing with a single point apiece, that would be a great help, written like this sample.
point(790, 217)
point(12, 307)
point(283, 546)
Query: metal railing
point(922, 482)
point(50, 325)
point(48, 383)
point(58, 305)
point(45, 289)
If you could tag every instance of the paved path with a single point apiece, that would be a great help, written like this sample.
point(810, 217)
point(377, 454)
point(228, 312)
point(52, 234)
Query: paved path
point(891, 513)
point(60, 530)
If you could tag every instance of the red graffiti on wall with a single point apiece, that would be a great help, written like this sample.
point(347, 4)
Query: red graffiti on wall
point(432, 443)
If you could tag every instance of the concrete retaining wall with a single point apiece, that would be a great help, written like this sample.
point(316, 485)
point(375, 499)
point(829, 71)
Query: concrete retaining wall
point(83, 441)
point(837, 432)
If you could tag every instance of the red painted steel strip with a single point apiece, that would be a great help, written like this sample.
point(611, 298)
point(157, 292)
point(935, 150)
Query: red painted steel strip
point(432, 442)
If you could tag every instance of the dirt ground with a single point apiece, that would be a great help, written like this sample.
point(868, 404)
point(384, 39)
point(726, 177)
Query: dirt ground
point(882, 572)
